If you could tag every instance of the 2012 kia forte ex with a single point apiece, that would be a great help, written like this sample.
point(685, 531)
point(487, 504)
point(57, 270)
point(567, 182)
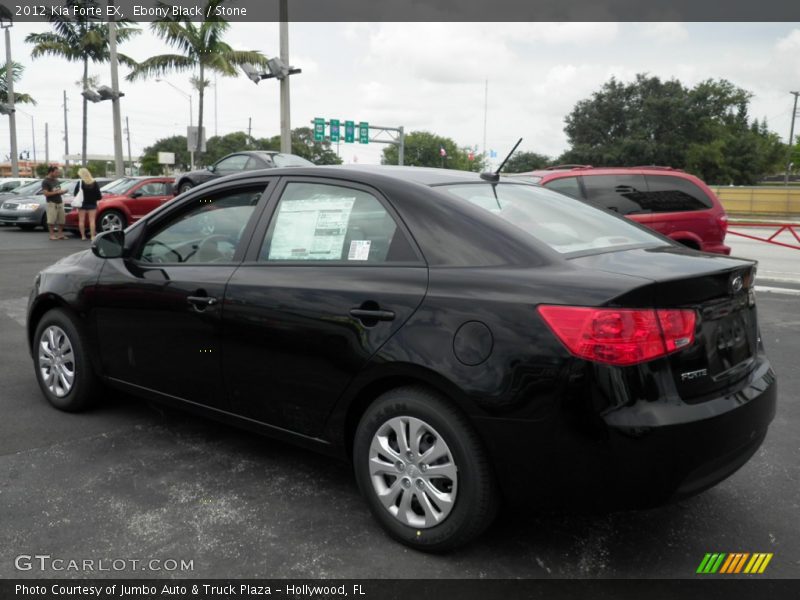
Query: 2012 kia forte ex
point(462, 339)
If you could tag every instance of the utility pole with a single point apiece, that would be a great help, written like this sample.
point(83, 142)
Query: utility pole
point(66, 134)
point(33, 139)
point(286, 131)
point(128, 133)
point(119, 164)
point(791, 139)
point(46, 145)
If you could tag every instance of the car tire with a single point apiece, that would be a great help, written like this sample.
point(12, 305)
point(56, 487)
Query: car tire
point(111, 220)
point(62, 365)
point(430, 512)
point(185, 187)
point(27, 227)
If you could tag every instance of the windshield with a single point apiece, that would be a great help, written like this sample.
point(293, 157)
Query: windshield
point(29, 189)
point(563, 223)
point(290, 160)
point(119, 186)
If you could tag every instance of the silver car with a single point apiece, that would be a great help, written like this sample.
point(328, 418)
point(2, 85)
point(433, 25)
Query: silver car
point(27, 207)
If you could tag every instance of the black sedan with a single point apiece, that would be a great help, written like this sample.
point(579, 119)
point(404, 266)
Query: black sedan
point(237, 163)
point(460, 339)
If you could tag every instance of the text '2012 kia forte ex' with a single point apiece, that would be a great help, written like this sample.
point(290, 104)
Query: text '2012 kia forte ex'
point(462, 339)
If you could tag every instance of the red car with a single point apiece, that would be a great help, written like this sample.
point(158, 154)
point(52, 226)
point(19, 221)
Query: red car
point(126, 200)
point(670, 201)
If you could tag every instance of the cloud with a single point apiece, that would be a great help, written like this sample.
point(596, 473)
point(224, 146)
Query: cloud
point(664, 33)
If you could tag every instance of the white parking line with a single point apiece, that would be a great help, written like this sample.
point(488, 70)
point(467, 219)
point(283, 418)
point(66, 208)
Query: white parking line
point(16, 308)
point(777, 290)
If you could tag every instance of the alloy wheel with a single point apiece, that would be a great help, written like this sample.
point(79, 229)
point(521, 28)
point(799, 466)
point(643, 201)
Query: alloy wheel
point(413, 472)
point(56, 361)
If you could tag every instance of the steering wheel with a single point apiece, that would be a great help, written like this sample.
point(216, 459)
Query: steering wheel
point(160, 259)
point(208, 250)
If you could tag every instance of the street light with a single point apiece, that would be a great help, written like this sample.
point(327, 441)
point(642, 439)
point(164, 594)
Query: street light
point(6, 23)
point(191, 116)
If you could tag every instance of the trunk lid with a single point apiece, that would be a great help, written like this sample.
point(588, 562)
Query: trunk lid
point(718, 288)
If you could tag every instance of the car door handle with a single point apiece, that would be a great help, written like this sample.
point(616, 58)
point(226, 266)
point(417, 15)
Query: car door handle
point(372, 315)
point(201, 302)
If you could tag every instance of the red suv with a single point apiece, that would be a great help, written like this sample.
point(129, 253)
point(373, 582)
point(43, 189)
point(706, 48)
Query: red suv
point(126, 200)
point(668, 200)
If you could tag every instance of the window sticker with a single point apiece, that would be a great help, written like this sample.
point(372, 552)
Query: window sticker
point(359, 250)
point(311, 229)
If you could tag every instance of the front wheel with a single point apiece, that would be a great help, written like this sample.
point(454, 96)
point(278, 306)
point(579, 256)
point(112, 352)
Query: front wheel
point(423, 471)
point(62, 364)
point(112, 220)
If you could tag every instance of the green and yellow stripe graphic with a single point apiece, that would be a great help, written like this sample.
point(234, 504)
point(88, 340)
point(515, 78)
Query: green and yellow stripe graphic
point(733, 563)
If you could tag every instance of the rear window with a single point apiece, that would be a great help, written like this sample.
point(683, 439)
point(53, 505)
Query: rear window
point(625, 194)
point(290, 160)
point(675, 194)
point(564, 224)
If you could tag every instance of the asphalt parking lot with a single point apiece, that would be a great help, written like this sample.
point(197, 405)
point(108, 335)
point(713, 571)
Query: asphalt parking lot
point(133, 481)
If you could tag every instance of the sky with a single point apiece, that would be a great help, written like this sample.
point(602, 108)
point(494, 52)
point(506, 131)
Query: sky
point(423, 76)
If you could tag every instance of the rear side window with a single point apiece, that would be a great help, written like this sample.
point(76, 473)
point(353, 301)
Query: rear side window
point(566, 185)
point(321, 222)
point(675, 194)
point(625, 194)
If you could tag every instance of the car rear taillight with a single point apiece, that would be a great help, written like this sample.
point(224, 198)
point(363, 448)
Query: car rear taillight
point(620, 336)
point(722, 221)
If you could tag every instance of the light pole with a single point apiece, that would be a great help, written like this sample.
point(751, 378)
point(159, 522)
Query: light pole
point(791, 139)
point(286, 130)
point(33, 132)
point(6, 23)
point(119, 160)
point(191, 116)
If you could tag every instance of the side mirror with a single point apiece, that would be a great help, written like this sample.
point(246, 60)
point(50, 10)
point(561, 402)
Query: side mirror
point(137, 195)
point(109, 244)
point(211, 168)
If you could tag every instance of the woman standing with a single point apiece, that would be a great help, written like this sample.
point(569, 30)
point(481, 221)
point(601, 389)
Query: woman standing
point(91, 196)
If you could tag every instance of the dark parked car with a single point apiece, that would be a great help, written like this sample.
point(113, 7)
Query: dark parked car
point(670, 201)
point(250, 160)
point(460, 340)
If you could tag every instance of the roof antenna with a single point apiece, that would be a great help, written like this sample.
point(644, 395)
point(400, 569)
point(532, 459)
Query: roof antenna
point(488, 176)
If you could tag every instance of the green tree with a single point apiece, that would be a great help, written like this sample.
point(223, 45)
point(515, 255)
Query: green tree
point(526, 161)
point(201, 47)
point(705, 130)
point(81, 39)
point(19, 97)
point(424, 149)
point(175, 144)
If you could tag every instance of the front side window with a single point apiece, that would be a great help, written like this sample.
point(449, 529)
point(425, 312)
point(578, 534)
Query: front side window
point(565, 185)
point(154, 188)
point(314, 222)
point(564, 224)
point(209, 230)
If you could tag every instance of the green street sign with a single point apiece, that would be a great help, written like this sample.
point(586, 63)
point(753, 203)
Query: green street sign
point(363, 132)
point(334, 124)
point(319, 130)
point(349, 132)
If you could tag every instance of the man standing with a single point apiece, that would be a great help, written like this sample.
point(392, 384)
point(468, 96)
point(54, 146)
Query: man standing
point(55, 204)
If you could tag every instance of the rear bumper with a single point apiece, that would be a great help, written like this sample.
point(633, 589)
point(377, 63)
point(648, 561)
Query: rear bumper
point(718, 248)
point(632, 457)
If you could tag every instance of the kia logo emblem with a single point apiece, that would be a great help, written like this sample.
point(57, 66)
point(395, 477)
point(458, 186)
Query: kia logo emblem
point(737, 283)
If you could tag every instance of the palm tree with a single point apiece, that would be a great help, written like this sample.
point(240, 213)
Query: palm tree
point(19, 97)
point(201, 47)
point(80, 39)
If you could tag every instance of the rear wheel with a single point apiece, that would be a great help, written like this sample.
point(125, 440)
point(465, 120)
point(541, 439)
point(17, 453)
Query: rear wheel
point(112, 220)
point(185, 187)
point(63, 370)
point(423, 471)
